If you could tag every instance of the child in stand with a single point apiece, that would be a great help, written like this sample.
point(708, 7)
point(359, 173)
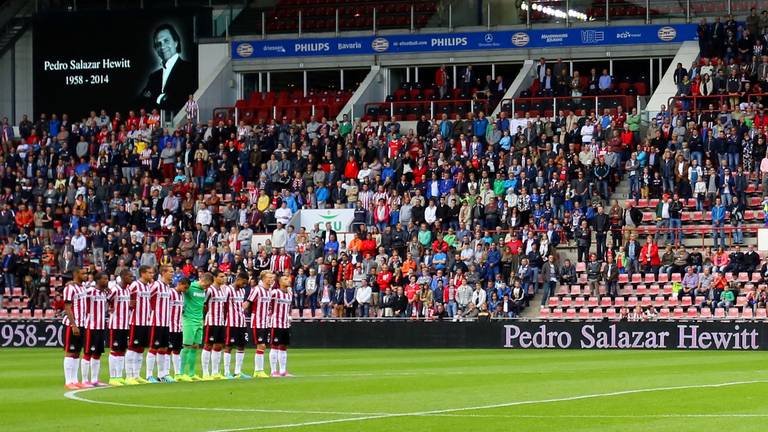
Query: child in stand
point(621, 260)
point(700, 191)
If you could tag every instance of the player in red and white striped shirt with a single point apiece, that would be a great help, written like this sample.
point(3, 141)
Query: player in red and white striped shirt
point(237, 332)
point(141, 324)
point(282, 298)
point(119, 325)
point(215, 325)
point(160, 299)
point(97, 293)
point(258, 303)
point(74, 321)
point(175, 336)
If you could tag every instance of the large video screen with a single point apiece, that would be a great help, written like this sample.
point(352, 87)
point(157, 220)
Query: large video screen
point(117, 61)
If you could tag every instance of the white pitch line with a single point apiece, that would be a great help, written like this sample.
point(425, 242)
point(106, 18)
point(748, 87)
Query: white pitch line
point(596, 416)
point(482, 407)
point(73, 395)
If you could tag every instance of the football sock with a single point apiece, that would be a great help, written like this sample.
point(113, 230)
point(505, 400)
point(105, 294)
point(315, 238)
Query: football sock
point(205, 359)
point(239, 362)
point(68, 370)
point(227, 361)
point(161, 365)
point(166, 364)
point(95, 369)
point(151, 357)
point(139, 359)
point(283, 360)
point(112, 366)
point(273, 360)
point(176, 359)
point(259, 361)
point(120, 366)
point(192, 357)
point(130, 362)
point(85, 369)
point(215, 361)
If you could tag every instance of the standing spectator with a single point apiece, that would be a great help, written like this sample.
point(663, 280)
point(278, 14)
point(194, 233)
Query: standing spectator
point(594, 273)
point(600, 223)
point(649, 256)
point(611, 278)
point(441, 81)
point(583, 237)
point(718, 222)
point(550, 272)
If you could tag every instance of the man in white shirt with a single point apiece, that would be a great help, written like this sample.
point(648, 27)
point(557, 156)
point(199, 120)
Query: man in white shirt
point(279, 236)
point(283, 214)
point(363, 298)
point(79, 245)
point(204, 217)
point(587, 131)
point(430, 213)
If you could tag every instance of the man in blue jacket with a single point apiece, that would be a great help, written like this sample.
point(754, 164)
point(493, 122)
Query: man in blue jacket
point(718, 220)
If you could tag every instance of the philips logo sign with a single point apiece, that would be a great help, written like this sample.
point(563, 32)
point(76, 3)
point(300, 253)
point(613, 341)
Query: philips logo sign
point(449, 42)
point(312, 47)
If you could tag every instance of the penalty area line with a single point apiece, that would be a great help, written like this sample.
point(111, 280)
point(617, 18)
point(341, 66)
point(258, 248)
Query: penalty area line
point(439, 412)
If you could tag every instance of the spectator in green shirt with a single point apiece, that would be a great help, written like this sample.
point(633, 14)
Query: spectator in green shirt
point(726, 298)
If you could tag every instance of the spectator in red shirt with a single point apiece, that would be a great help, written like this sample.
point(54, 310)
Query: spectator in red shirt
point(24, 218)
point(384, 278)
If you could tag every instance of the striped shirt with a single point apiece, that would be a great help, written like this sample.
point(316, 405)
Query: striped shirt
point(259, 299)
point(75, 295)
point(161, 303)
point(177, 309)
point(235, 313)
point(141, 314)
point(216, 298)
point(97, 308)
point(281, 309)
point(120, 302)
point(366, 199)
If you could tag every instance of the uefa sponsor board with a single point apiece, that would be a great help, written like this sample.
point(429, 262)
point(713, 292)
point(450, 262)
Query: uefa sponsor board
point(461, 41)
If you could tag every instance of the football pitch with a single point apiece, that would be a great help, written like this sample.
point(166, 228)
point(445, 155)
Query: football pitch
point(404, 390)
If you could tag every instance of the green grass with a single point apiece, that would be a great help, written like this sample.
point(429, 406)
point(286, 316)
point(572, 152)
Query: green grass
point(399, 390)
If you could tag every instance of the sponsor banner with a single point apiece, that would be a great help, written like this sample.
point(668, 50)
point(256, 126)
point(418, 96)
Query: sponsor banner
point(31, 334)
point(510, 334)
point(644, 335)
point(340, 219)
point(462, 41)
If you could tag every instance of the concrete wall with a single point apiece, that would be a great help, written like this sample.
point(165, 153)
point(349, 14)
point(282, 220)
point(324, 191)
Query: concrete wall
point(216, 81)
point(688, 52)
point(21, 80)
point(372, 89)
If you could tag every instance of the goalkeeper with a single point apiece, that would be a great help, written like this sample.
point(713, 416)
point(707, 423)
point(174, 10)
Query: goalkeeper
point(192, 326)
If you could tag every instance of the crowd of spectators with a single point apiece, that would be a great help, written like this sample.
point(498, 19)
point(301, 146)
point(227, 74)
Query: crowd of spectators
point(457, 218)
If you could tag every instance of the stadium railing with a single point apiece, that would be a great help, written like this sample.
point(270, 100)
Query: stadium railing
point(696, 101)
point(410, 108)
point(548, 106)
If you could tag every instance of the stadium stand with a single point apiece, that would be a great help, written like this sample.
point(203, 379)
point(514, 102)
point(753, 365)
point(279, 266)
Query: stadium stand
point(455, 218)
